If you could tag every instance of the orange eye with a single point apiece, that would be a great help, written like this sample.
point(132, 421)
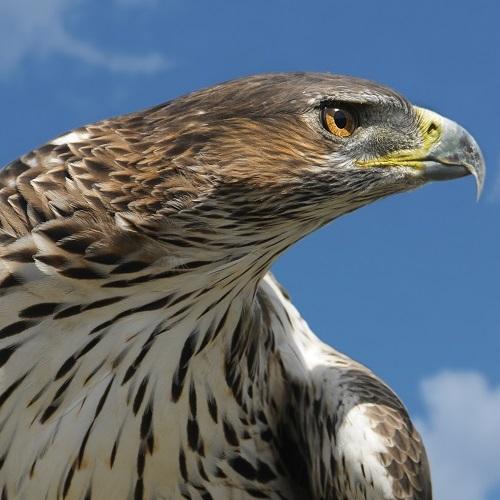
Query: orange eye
point(339, 122)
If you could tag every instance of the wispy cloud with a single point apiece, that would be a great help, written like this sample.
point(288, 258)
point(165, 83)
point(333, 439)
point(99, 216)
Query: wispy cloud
point(36, 28)
point(462, 434)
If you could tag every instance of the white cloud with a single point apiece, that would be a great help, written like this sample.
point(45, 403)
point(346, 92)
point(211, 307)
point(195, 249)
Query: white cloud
point(462, 434)
point(37, 28)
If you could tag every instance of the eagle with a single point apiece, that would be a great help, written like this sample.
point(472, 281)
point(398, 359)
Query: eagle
point(146, 352)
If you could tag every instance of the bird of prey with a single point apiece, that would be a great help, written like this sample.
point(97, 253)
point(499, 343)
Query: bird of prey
point(145, 350)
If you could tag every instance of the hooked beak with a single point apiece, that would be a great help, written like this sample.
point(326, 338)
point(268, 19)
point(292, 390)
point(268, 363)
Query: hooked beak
point(446, 151)
point(452, 153)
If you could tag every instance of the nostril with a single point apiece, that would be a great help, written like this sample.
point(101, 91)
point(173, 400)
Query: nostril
point(432, 128)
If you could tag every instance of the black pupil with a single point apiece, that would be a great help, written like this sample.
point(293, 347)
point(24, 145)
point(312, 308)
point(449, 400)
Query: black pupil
point(340, 118)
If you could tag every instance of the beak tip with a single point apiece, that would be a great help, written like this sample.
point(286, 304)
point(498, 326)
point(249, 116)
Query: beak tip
point(474, 161)
point(479, 186)
point(479, 191)
point(478, 170)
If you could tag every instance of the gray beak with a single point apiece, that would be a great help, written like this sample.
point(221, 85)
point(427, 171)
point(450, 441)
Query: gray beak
point(454, 154)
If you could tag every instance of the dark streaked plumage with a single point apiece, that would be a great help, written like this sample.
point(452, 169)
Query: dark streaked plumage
point(144, 350)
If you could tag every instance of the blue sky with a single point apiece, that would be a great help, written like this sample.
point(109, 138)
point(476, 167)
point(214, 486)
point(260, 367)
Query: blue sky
point(409, 285)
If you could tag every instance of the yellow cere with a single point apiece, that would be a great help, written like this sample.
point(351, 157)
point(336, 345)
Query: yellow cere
point(430, 129)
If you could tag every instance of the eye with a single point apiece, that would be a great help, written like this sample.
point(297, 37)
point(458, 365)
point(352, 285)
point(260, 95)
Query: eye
point(339, 122)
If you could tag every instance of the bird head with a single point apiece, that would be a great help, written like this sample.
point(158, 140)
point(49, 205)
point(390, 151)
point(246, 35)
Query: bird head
point(302, 149)
point(252, 165)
